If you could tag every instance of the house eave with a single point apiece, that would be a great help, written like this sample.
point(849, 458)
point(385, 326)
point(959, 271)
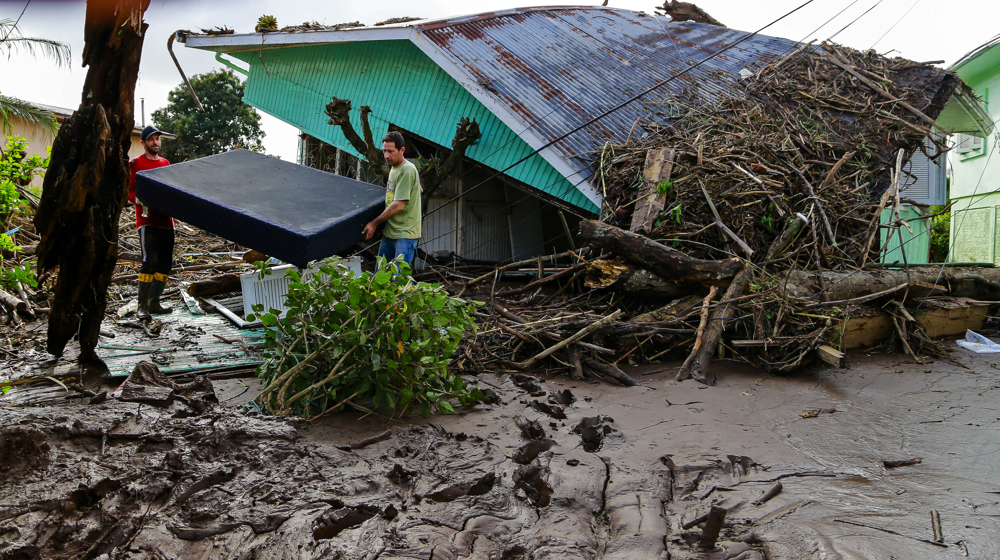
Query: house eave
point(254, 41)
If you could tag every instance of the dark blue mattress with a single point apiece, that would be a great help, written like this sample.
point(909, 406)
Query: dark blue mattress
point(294, 213)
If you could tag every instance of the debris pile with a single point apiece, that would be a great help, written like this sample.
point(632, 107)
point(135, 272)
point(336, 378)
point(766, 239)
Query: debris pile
point(760, 210)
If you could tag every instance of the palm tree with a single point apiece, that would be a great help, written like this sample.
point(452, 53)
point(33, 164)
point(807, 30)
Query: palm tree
point(12, 41)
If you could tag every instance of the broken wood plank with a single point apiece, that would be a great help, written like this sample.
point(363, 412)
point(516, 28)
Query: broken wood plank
point(658, 167)
point(832, 356)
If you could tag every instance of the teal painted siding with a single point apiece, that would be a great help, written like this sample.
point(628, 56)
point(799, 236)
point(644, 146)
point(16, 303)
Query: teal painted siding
point(403, 87)
point(917, 244)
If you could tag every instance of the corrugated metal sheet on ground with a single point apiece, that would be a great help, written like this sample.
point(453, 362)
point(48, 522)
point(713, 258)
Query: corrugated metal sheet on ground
point(186, 343)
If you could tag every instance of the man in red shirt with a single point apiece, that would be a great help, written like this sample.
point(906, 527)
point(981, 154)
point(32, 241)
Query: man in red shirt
point(156, 232)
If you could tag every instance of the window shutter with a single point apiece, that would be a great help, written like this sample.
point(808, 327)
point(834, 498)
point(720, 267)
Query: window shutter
point(923, 179)
point(965, 143)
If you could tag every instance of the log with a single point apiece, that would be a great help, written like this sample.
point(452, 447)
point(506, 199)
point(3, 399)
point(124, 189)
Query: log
point(685, 371)
point(713, 525)
point(975, 283)
point(611, 371)
point(656, 257)
point(622, 276)
point(12, 302)
point(214, 286)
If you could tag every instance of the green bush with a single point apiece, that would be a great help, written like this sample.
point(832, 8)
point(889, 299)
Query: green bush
point(17, 169)
point(940, 231)
point(378, 339)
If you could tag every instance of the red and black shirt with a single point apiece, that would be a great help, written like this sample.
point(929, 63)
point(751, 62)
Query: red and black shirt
point(144, 215)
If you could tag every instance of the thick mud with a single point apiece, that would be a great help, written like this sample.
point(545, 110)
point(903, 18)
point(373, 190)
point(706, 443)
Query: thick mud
point(576, 471)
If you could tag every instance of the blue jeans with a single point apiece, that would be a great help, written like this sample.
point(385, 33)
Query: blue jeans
point(392, 248)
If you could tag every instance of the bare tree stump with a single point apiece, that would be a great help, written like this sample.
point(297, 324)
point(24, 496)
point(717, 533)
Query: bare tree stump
point(87, 180)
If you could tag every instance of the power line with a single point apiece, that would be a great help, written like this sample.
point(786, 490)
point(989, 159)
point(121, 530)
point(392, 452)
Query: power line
point(624, 104)
point(895, 24)
point(18, 20)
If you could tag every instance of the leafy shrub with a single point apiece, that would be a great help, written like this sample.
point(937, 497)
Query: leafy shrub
point(378, 339)
point(16, 170)
point(940, 235)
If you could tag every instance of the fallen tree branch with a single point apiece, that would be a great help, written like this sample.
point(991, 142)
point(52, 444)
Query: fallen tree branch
point(580, 334)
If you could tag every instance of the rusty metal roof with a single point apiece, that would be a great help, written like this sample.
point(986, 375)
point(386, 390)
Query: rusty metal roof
point(554, 69)
point(545, 71)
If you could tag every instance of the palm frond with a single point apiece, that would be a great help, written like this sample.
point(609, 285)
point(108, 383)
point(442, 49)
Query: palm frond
point(11, 107)
point(12, 41)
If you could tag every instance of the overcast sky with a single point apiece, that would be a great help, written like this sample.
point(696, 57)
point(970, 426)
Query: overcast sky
point(930, 30)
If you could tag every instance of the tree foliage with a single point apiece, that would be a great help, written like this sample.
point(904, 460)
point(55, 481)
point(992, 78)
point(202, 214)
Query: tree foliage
point(378, 339)
point(12, 41)
point(226, 124)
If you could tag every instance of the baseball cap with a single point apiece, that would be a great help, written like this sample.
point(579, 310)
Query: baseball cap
point(149, 131)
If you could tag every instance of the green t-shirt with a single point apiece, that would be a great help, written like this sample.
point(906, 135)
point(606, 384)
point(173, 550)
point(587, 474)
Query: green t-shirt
point(404, 184)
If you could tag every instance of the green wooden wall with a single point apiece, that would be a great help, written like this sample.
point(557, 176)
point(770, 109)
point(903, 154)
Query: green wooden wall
point(403, 87)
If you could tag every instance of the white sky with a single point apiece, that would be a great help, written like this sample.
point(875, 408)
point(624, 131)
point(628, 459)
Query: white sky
point(932, 30)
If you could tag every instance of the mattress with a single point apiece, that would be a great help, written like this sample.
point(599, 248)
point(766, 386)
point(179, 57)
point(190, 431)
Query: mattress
point(291, 212)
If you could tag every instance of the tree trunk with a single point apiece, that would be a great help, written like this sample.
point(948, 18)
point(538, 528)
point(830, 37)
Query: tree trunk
point(671, 264)
point(976, 283)
point(432, 174)
point(625, 277)
point(87, 181)
point(436, 171)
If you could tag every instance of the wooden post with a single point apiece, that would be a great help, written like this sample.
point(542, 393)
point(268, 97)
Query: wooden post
point(713, 525)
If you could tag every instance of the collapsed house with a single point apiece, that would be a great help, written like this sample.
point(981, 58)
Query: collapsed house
point(756, 158)
point(530, 77)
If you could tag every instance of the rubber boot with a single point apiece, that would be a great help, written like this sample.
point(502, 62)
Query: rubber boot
point(143, 313)
point(155, 291)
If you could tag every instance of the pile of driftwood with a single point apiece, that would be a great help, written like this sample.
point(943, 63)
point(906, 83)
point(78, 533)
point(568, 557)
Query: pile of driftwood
point(757, 215)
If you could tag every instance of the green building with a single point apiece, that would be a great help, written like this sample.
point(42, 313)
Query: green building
point(975, 184)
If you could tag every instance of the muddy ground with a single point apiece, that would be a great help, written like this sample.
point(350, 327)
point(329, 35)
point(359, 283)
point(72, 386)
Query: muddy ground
point(617, 478)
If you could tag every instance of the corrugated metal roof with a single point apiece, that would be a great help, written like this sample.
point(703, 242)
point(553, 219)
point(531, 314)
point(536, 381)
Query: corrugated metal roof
point(545, 71)
point(556, 68)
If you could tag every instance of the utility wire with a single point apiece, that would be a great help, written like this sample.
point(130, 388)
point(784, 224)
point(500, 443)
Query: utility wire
point(824, 24)
point(18, 20)
point(624, 104)
point(895, 24)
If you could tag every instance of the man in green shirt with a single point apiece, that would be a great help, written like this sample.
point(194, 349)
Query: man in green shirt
point(402, 204)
